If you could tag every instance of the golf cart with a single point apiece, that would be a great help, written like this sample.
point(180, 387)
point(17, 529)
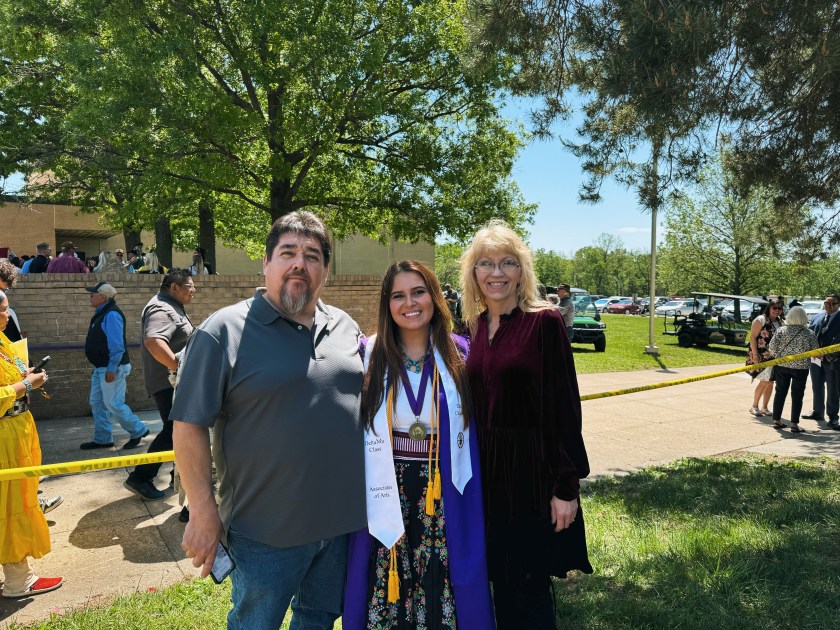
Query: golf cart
point(588, 326)
point(703, 328)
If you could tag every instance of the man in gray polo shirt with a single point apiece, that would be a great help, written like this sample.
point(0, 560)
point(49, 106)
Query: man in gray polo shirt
point(164, 330)
point(278, 377)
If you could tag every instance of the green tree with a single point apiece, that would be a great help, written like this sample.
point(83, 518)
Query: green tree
point(552, 268)
point(716, 238)
point(362, 112)
point(447, 263)
point(786, 100)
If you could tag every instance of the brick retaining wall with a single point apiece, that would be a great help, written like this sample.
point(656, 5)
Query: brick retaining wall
point(54, 312)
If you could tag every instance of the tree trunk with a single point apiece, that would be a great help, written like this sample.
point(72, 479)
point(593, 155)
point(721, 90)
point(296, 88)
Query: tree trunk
point(131, 234)
point(281, 202)
point(207, 233)
point(163, 241)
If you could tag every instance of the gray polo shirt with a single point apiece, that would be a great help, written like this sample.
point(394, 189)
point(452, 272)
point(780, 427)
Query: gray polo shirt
point(163, 318)
point(283, 402)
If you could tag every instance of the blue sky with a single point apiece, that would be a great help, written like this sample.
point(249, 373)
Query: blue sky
point(550, 176)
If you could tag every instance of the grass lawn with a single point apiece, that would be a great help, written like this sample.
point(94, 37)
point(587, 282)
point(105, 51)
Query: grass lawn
point(627, 336)
point(746, 542)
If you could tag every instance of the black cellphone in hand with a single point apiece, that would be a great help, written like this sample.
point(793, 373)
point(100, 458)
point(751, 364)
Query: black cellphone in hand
point(222, 566)
point(39, 367)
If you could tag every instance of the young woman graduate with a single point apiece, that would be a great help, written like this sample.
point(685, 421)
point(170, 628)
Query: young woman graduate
point(421, 562)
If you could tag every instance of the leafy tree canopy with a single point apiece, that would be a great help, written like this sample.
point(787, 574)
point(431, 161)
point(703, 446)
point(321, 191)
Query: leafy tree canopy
point(364, 112)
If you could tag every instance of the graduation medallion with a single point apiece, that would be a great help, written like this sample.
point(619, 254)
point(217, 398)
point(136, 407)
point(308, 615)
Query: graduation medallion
point(417, 431)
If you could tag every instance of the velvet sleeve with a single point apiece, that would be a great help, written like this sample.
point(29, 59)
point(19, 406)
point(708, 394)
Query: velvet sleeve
point(560, 412)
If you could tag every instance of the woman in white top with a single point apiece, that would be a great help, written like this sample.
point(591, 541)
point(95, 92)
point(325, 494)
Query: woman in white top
point(761, 332)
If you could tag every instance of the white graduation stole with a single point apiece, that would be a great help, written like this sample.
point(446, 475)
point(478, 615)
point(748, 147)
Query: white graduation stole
point(383, 500)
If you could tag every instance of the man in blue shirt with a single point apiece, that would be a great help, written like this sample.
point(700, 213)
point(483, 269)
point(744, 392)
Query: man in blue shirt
point(106, 349)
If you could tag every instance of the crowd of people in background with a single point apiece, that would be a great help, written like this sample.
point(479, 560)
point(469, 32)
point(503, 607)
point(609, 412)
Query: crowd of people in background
point(69, 261)
point(774, 334)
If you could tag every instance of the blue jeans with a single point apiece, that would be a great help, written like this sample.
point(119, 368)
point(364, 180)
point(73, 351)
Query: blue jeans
point(108, 399)
point(266, 579)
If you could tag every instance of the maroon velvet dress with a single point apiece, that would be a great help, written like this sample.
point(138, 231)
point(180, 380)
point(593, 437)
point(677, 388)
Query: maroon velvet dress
point(528, 420)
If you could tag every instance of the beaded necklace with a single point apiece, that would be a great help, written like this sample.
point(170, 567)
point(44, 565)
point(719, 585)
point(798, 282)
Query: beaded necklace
point(416, 366)
point(13, 360)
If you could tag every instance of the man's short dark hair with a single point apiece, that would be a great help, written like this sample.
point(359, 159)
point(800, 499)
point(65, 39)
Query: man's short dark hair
point(42, 245)
point(303, 223)
point(8, 273)
point(176, 275)
point(67, 246)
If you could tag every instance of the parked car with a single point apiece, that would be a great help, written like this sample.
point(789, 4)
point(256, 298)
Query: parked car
point(812, 307)
point(749, 310)
point(683, 306)
point(624, 306)
point(610, 300)
point(601, 304)
point(581, 299)
point(644, 304)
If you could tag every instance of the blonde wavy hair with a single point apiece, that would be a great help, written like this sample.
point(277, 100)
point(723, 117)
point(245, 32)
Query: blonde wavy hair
point(494, 238)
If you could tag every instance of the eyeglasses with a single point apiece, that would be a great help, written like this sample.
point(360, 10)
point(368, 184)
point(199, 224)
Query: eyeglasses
point(827, 303)
point(487, 266)
point(775, 308)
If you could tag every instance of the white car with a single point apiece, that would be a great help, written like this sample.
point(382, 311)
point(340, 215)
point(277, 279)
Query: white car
point(812, 307)
point(747, 309)
point(683, 306)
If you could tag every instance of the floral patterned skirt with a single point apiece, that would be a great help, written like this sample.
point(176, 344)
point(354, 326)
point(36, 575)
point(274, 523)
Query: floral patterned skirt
point(427, 599)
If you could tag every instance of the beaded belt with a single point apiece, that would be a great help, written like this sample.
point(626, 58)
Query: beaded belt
point(410, 450)
point(20, 406)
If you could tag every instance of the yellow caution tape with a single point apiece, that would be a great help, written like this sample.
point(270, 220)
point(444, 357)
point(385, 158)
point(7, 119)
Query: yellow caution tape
point(92, 465)
point(89, 465)
point(692, 379)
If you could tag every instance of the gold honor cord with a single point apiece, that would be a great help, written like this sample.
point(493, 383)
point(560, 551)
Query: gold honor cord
point(433, 488)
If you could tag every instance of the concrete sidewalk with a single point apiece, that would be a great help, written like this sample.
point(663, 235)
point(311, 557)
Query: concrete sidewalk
point(106, 541)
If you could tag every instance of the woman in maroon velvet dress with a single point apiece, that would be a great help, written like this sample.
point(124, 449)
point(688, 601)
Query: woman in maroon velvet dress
point(527, 413)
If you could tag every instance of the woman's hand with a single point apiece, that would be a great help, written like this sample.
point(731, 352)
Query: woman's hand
point(563, 513)
point(36, 379)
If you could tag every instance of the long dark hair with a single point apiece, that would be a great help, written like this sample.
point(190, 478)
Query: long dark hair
point(386, 356)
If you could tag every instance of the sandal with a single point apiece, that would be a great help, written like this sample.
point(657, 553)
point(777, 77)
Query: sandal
point(765, 412)
point(777, 424)
point(794, 428)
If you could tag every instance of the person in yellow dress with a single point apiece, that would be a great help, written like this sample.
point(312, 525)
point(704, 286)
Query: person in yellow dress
point(23, 529)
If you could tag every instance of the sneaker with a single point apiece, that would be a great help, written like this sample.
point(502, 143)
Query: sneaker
point(87, 446)
point(41, 585)
point(756, 412)
point(144, 489)
point(48, 505)
point(184, 516)
point(134, 442)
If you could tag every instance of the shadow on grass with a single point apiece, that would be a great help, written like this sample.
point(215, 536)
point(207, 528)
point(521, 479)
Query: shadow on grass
point(706, 543)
